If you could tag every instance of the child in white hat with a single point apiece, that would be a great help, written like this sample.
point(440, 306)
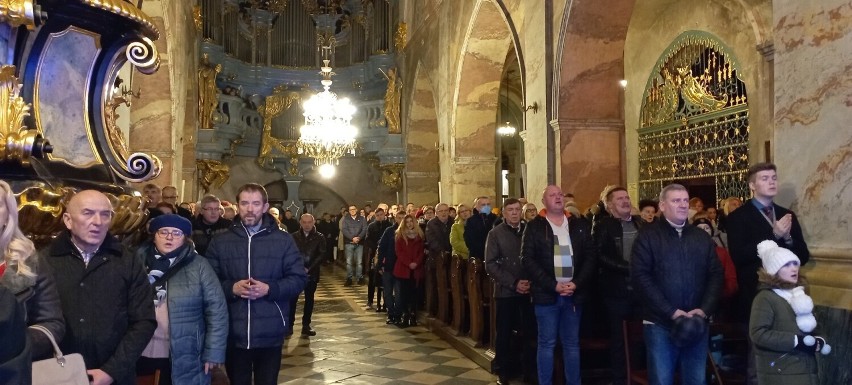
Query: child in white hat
point(782, 321)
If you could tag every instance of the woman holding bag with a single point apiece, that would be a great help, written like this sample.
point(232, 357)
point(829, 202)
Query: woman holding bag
point(23, 274)
point(192, 316)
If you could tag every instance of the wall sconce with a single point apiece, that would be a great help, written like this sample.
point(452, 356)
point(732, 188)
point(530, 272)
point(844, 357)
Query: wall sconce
point(533, 107)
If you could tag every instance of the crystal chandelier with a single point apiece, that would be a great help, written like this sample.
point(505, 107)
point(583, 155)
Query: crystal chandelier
point(328, 133)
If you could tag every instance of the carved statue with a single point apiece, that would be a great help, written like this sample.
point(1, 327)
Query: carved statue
point(213, 173)
point(116, 137)
point(392, 96)
point(694, 93)
point(208, 93)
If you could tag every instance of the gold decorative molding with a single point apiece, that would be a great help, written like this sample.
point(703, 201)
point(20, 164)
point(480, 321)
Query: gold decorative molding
point(275, 105)
point(126, 10)
point(213, 173)
point(197, 18)
point(17, 142)
point(401, 37)
point(392, 175)
point(18, 13)
point(114, 134)
point(208, 92)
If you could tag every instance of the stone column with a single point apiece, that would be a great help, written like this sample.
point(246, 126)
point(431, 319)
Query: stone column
point(813, 151)
point(592, 156)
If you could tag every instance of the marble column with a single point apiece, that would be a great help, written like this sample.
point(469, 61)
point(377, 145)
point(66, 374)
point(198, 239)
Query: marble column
point(813, 152)
point(592, 156)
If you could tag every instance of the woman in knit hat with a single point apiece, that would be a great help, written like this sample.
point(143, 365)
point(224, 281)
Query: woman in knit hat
point(192, 316)
point(782, 322)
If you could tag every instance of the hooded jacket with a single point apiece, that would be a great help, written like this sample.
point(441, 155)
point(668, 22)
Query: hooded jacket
point(270, 256)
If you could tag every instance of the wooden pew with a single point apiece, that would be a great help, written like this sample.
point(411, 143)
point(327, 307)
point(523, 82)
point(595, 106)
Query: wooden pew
point(431, 303)
point(475, 275)
point(442, 283)
point(458, 288)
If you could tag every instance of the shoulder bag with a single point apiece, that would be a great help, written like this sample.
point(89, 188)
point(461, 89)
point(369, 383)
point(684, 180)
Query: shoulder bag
point(61, 369)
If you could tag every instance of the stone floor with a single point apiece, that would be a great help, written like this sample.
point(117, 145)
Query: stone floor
point(354, 346)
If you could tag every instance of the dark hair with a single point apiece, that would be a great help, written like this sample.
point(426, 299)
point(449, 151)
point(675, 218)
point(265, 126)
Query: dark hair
point(379, 211)
point(612, 190)
point(648, 202)
point(253, 187)
point(166, 205)
point(763, 166)
point(510, 201)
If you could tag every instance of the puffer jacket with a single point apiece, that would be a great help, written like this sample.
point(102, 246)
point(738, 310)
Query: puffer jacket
point(537, 258)
point(198, 316)
point(41, 301)
point(773, 329)
point(269, 256)
point(503, 259)
point(671, 272)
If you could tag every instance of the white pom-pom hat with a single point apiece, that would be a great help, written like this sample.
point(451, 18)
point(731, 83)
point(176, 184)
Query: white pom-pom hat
point(774, 257)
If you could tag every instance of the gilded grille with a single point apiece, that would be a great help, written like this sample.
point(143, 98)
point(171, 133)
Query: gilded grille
point(694, 119)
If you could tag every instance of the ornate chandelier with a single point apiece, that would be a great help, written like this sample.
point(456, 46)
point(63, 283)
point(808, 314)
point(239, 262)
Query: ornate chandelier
point(328, 133)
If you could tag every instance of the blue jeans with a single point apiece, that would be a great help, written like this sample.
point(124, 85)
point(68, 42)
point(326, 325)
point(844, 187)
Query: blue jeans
point(561, 319)
point(388, 282)
point(354, 253)
point(664, 357)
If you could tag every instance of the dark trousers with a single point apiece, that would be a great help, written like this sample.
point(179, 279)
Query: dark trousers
point(374, 287)
point(513, 314)
point(263, 363)
point(308, 311)
point(618, 310)
point(391, 299)
point(146, 366)
point(407, 301)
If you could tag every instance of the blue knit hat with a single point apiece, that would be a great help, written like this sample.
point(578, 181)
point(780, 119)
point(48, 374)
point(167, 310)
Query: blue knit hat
point(171, 220)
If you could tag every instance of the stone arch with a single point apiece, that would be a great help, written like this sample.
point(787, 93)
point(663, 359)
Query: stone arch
point(588, 98)
point(473, 148)
point(422, 169)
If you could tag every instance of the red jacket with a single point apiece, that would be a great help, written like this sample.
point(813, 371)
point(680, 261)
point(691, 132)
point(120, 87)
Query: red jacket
point(730, 286)
point(406, 253)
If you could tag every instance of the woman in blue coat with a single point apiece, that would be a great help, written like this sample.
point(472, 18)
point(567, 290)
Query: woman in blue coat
point(192, 316)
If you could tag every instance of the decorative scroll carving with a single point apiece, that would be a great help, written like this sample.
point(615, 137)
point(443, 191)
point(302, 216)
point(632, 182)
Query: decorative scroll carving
point(392, 175)
point(20, 12)
point(143, 54)
point(274, 105)
point(114, 134)
point(401, 37)
point(17, 142)
point(197, 18)
point(127, 10)
point(213, 173)
point(694, 120)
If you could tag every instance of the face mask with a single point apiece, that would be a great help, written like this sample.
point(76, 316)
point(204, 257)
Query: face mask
point(486, 209)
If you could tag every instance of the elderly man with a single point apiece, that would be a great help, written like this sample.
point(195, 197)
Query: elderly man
point(438, 243)
point(311, 244)
point(476, 227)
point(170, 195)
point(678, 279)
point(208, 223)
point(261, 271)
point(104, 291)
point(503, 264)
point(557, 252)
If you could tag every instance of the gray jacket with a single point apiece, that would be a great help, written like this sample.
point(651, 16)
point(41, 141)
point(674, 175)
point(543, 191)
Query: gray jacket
point(352, 228)
point(503, 259)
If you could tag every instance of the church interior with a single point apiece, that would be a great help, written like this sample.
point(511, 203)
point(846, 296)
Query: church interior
point(439, 101)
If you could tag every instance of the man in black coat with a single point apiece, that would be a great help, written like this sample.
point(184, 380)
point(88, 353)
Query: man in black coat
point(371, 243)
point(678, 279)
point(760, 219)
point(106, 298)
point(615, 235)
point(476, 227)
point(558, 255)
point(208, 223)
point(311, 245)
point(757, 220)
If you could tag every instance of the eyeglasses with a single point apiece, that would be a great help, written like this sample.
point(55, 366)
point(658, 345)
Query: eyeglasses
point(174, 233)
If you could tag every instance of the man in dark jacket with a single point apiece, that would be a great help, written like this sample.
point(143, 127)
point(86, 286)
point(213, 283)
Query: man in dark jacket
point(106, 299)
point(353, 229)
point(676, 273)
point(615, 236)
point(311, 245)
point(476, 227)
point(511, 288)
point(437, 244)
point(208, 223)
point(374, 232)
point(329, 229)
point(557, 252)
point(386, 257)
point(261, 271)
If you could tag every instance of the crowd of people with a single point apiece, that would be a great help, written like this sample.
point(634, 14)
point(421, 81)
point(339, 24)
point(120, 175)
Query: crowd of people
point(199, 289)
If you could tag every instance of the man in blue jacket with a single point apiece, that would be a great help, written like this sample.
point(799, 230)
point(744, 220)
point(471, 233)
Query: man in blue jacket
point(261, 271)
